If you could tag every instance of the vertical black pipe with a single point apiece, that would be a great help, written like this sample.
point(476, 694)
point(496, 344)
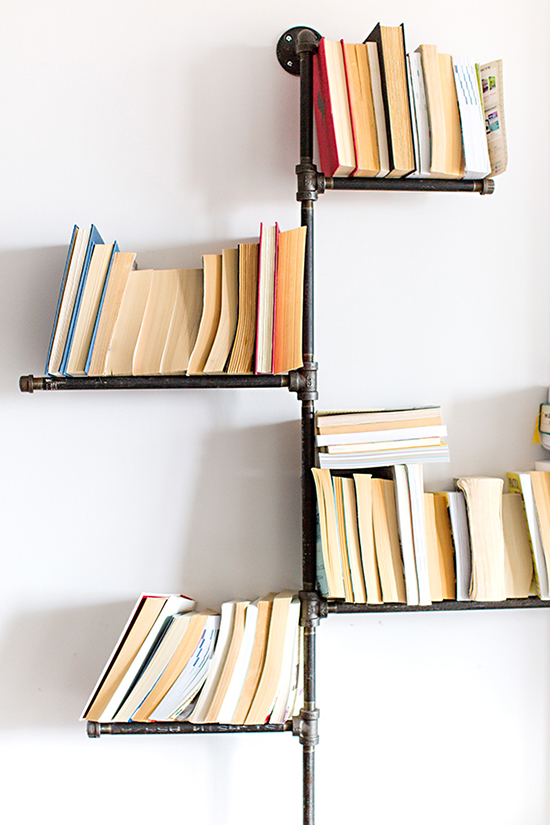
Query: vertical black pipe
point(306, 46)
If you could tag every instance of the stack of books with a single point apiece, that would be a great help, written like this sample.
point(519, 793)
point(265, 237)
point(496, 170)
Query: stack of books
point(381, 112)
point(242, 666)
point(382, 538)
point(241, 312)
point(376, 438)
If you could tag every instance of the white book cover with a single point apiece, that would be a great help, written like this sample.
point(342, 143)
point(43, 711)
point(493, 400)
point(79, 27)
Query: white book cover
point(216, 666)
point(415, 475)
point(235, 687)
point(404, 519)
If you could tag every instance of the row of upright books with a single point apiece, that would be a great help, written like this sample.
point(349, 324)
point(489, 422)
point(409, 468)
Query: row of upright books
point(383, 538)
point(381, 112)
point(240, 313)
point(242, 666)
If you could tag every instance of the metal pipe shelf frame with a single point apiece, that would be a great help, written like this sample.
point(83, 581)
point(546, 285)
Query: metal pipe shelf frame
point(295, 51)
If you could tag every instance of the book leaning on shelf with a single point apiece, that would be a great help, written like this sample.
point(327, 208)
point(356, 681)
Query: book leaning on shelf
point(240, 313)
point(381, 112)
point(172, 662)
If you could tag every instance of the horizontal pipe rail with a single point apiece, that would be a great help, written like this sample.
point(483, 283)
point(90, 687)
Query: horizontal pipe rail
point(29, 383)
point(96, 729)
point(344, 607)
point(484, 187)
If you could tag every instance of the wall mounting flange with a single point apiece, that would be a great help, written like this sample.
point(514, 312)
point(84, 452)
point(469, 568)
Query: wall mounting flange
point(287, 53)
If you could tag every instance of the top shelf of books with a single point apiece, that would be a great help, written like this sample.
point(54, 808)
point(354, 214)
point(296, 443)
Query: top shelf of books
point(388, 119)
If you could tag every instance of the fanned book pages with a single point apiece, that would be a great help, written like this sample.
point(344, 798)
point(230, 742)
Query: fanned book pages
point(227, 618)
point(484, 505)
point(405, 525)
point(155, 325)
point(289, 299)
point(212, 711)
point(342, 539)
point(351, 524)
point(108, 311)
point(120, 357)
point(98, 272)
point(390, 41)
point(242, 353)
point(211, 308)
point(332, 110)
point(225, 333)
point(184, 324)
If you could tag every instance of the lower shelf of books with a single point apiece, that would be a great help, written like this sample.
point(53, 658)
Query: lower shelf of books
point(96, 729)
point(332, 606)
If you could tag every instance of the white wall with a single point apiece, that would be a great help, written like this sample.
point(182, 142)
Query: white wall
point(172, 127)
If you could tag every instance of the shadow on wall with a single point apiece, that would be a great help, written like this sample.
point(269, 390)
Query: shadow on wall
point(243, 124)
point(50, 662)
point(243, 534)
point(241, 541)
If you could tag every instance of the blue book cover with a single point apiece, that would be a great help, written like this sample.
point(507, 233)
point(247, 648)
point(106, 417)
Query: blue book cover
point(95, 238)
point(100, 307)
point(63, 281)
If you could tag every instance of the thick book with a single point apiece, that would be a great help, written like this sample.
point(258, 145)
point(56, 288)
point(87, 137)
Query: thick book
point(390, 41)
point(184, 324)
point(120, 356)
point(361, 104)
point(155, 325)
point(484, 506)
point(75, 291)
point(363, 494)
point(329, 545)
point(225, 334)
point(518, 556)
point(288, 309)
point(67, 293)
point(282, 628)
point(100, 266)
point(210, 318)
point(446, 156)
point(241, 359)
point(332, 111)
point(257, 659)
point(107, 314)
point(440, 549)
point(386, 541)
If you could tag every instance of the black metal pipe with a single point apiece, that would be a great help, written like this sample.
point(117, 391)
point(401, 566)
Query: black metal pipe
point(484, 187)
point(30, 383)
point(308, 793)
point(309, 499)
point(96, 729)
point(436, 607)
